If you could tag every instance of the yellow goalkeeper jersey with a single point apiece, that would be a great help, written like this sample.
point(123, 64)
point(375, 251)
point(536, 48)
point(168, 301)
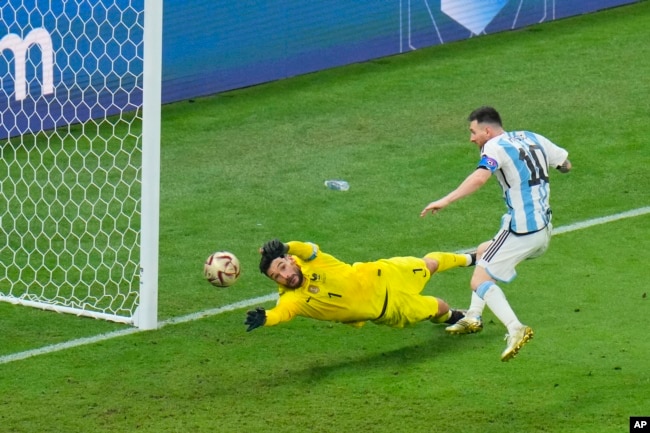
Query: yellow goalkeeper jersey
point(333, 290)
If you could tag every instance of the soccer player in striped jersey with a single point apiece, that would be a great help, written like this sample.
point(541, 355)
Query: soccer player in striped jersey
point(520, 161)
point(317, 285)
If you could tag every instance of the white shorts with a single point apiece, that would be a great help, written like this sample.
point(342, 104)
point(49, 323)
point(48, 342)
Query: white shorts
point(508, 249)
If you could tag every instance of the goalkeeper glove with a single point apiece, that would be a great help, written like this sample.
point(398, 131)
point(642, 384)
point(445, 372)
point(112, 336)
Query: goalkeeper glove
point(275, 248)
point(255, 318)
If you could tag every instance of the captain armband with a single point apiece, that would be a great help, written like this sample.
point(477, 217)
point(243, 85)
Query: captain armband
point(314, 251)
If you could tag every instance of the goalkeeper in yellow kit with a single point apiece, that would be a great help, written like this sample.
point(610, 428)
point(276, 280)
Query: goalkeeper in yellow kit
point(387, 292)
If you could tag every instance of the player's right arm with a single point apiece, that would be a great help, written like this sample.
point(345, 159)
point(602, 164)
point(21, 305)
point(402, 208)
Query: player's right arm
point(306, 251)
point(471, 184)
point(558, 156)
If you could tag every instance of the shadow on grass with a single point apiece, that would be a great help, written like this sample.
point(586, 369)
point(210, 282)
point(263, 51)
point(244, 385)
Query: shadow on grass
point(355, 361)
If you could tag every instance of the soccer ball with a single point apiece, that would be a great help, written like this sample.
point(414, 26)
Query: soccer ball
point(221, 269)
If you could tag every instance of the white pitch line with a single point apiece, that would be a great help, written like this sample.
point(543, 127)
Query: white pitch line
point(602, 220)
point(107, 336)
point(261, 299)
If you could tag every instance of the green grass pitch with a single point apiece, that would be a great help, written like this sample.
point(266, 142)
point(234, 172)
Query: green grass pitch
point(245, 166)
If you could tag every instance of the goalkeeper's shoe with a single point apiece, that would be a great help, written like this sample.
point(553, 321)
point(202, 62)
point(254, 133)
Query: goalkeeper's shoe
point(516, 341)
point(455, 316)
point(466, 325)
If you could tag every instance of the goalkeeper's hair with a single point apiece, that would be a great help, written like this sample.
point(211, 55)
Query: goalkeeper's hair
point(267, 259)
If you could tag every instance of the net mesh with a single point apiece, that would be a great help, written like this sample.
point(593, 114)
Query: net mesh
point(70, 167)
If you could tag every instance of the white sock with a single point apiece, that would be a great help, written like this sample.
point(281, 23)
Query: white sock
point(496, 300)
point(476, 306)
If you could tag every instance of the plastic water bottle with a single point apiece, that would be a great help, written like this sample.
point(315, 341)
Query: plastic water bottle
point(337, 185)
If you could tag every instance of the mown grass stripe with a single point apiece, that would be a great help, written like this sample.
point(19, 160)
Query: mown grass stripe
point(255, 301)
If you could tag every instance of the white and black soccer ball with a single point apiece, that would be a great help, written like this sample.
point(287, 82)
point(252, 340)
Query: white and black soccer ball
point(222, 269)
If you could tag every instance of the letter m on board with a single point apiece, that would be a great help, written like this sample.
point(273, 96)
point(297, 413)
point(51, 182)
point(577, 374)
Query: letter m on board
point(20, 49)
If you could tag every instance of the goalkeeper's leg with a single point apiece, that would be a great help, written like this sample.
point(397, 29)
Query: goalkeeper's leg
point(446, 314)
point(440, 261)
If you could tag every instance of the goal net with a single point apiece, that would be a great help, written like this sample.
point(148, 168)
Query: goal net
point(80, 152)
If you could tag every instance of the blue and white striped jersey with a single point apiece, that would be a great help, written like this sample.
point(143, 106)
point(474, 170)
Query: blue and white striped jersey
point(520, 160)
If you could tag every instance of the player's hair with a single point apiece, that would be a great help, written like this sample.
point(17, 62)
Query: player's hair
point(485, 114)
point(267, 259)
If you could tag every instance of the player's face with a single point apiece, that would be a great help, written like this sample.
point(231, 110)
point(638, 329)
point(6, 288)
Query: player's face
point(479, 133)
point(285, 272)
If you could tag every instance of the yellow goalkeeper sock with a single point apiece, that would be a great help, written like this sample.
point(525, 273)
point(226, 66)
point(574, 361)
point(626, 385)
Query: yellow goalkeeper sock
point(449, 260)
point(443, 318)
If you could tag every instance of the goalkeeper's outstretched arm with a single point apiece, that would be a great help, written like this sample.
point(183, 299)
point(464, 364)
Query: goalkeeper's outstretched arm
point(284, 311)
point(255, 318)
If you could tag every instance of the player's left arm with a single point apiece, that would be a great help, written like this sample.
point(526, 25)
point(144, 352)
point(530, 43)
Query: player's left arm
point(558, 157)
point(565, 167)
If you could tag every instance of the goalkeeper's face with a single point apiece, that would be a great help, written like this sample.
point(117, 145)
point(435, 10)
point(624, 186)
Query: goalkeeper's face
point(286, 272)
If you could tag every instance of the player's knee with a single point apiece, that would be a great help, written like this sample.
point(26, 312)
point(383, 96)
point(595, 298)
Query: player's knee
point(479, 276)
point(474, 283)
point(432, 265)
point(443, 308)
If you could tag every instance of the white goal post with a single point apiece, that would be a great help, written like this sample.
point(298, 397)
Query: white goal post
point(80, 97)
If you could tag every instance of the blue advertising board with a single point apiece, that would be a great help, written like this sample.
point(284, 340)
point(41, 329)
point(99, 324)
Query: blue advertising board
point(67, 62)
point(63, 62)
point(213, 46)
